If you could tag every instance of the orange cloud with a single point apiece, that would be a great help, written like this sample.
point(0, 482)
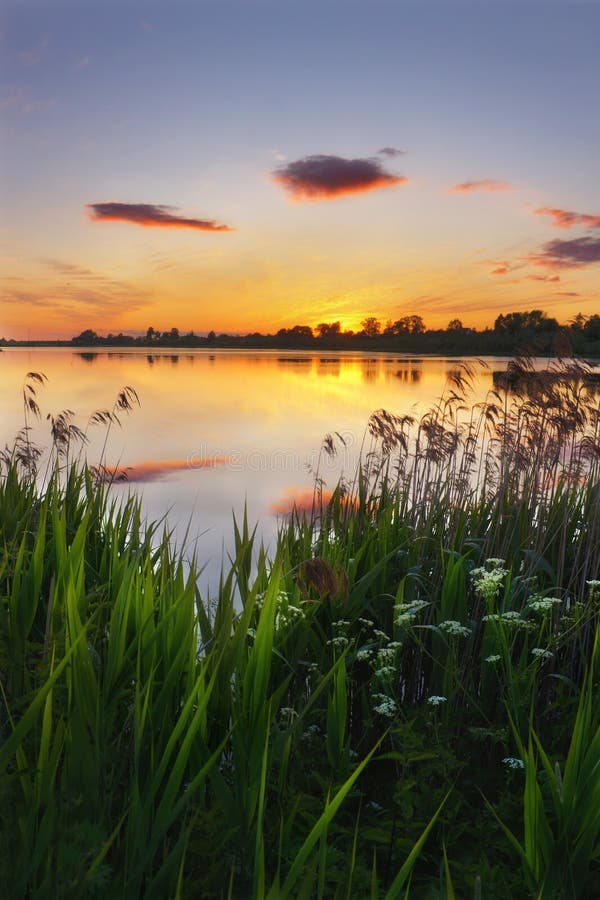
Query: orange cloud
point(323, 177)
point(154, 470)
point(543, 278)
point(565, 218)
point(491, 185)
point(150, 216)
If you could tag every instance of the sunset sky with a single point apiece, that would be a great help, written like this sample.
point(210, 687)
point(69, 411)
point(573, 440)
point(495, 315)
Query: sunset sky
point(251, 165)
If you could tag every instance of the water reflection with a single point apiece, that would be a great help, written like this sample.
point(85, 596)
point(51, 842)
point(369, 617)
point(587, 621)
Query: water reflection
point(265, 413)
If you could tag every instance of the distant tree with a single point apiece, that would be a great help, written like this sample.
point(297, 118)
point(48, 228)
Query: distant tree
point(534, 320)
point(151, 335)
point(592, 328)
point(371, 326)
point(328, 329)
point(86, 337)
point(578, 322)
point(417, 325)
point(211, 337)
point(454, 325)
point(407, 325)
point(304, 332)
point(174, 334)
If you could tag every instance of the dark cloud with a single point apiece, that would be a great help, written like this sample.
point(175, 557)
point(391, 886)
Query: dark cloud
point(573, 254)
point(566, 218)
point(326, 177)
point(491, 185)
point(150, 216)
point(391, 151)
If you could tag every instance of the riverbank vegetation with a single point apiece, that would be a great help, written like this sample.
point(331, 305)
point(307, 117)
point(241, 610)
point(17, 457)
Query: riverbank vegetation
point(399, 699)
point(513, 333)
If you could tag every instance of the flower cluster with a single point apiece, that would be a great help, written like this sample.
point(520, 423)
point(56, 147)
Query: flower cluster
point(339, 639)
point(385, 706)
point(541, 604)
point(454, 628)
point(540, 653)
point(436, 700)
point(406, 613)
point(285, 611)
point(487, 580)
point(594, 589)
point(511, 618)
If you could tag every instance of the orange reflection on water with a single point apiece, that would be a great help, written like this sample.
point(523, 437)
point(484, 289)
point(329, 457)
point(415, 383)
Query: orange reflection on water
point(153, 470)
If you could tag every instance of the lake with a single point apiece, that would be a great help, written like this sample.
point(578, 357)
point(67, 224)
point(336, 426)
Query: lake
point(215, 430)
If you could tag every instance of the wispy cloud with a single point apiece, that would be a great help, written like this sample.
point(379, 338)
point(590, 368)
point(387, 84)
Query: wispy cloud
point(569, 254)
point(20, 100)
point(73, 291)
point(489, 185)
point(391, 151)
point(82, 63)
point(566, 218)
point(543, 278)
point(324, 177)
point(150, 215)
point(34, 55)
point(277, 155)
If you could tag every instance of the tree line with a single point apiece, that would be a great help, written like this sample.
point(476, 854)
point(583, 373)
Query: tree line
point(529, 331)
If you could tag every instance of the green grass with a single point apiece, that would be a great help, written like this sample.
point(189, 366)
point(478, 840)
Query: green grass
point(400, 699)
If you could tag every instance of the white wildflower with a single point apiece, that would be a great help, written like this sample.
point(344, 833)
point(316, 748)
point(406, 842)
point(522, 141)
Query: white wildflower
point(514, 763)
point(385, 672)
point(338, 642)
point(405, 618)
point(487, 582)
point(436, 700)
point(540, 653)
point(386, 706)
point(594, 587)
point(541, 604)
point(411, 606)
point(493, 658)
point(454, 628)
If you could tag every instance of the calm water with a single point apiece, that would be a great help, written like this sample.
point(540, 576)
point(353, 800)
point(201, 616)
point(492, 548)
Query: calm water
point(214, 430)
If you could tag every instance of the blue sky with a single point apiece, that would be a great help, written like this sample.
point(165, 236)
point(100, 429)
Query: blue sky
point(194, 105)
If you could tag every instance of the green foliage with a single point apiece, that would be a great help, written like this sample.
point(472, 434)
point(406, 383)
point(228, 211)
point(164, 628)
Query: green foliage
point(400, 701)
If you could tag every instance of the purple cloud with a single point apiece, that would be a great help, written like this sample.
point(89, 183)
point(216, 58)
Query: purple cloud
point(323, 177)
point(150, 216)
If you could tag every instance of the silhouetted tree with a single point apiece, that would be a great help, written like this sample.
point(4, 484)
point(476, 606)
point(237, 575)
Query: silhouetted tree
point(328, 329)
point(454, 325)
point(407, 325)
point(86, 337)
point(371, 326)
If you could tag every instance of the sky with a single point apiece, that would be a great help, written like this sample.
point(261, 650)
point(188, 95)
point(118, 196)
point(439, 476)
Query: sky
point(249, 165)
